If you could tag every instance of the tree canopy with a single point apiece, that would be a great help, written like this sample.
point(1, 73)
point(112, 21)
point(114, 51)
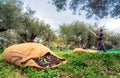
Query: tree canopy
point(76, 33)
point(94, 8)
point(18, 26)
point(9, 14)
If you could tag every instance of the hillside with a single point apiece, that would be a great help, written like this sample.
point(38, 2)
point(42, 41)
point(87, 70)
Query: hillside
point(79, 65)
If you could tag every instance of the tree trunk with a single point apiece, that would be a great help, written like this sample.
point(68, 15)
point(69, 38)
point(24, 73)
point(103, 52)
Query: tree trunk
point(3, 29)
point(77, 43)
point(32, 37)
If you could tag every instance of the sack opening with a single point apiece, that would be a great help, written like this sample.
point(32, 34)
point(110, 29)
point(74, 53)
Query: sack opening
point(48, 60)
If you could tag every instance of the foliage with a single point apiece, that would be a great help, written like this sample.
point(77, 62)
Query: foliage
point(7, 38)
point(78, 34)
point(9, 14)
point(18, 26)
point(114, 38)
point(48, 36)
point(74, 33)
point(108, 45)
point(88, 65)
point(21, 26)
point(98, 8)
point(91, 40)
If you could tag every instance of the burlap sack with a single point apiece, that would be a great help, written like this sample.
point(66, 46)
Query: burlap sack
point(80, 50)
point(23, 54)
point(84, 50)
point(92, 51)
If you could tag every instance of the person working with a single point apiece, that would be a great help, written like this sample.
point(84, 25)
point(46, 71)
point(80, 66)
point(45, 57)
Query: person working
point(100, 36)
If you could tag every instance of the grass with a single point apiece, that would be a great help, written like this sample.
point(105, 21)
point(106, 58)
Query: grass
point(79, 65)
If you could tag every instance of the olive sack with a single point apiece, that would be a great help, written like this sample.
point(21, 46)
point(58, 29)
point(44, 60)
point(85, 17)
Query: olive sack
point(23, 54)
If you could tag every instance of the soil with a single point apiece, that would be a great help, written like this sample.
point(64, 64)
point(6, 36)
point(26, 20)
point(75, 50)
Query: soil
point(47, 60)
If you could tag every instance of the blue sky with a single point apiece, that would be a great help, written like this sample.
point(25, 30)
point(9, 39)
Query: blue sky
point(48, 13)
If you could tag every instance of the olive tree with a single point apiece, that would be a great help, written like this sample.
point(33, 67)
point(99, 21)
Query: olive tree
point(75, 33)
point(9, 14)
point(97, 8)
point(114, 39)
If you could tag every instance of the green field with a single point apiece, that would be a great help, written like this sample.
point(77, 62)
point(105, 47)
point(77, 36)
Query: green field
point(79, 65)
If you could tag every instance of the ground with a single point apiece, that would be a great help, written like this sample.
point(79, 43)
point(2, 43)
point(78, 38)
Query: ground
point(86, 65)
